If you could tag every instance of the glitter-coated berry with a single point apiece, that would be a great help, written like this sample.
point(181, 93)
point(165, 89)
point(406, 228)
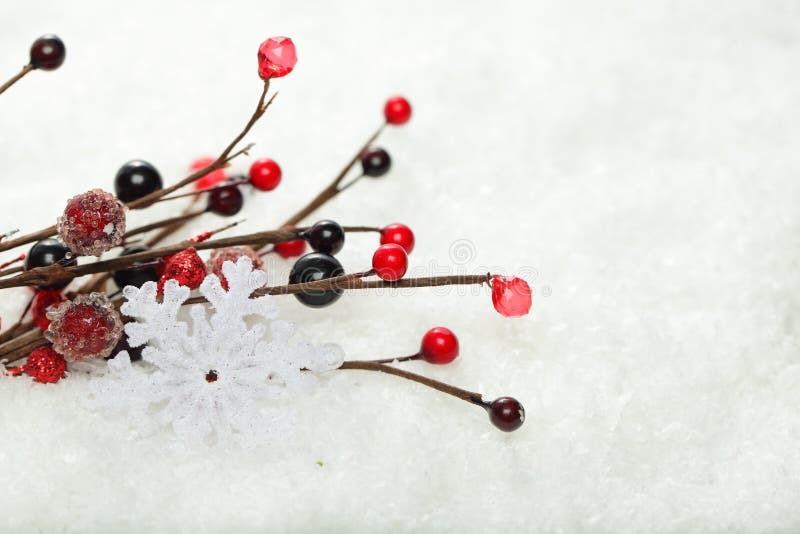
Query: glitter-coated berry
point(84, 328)
point(226, 201)
point(511, 296)
point(92, 223)
point(313, 267)
point(136, 179)
point(211, 179)
point(375, 162)
point(221, 255)
point(44, 364)
point(43, 299)
point(138, 273)
point(277, 57)
point(390, 262)
point(48, 52)
point(506, 413)
point(399, 234)
point(397, 110)
point(265, 174)
point(439, 346)
point(325, 236)
point(291, 249)
point(186, 267)
point(47, 252)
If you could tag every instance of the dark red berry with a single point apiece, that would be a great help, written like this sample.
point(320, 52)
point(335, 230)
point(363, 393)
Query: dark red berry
point(47, 252)
point(439, 346)
point(399, 234)
point(227, 200)
point(136, 179)
point(313, 267)
point(325, 236)
point(375, 162)
point(506, 413)
point(48, 52)
point(265, 174)
point(397, 110)
point(390, 262)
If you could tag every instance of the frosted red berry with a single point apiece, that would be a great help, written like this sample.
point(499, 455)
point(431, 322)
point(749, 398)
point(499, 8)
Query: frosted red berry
point(511, 296)
point(87, 327)
point(43, 299)
point(390, 262)
point(506, 413)
point(399, 234)
point(439, 346)
point(277, 57)
point(397, 110)
point(291, 249)
point(265, 174)
point(92, 223)
point(221, 255)
point(211, 179)
point(186, 267)
point(44, 364)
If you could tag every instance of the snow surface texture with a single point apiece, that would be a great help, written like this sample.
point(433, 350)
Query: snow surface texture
point(637, 161)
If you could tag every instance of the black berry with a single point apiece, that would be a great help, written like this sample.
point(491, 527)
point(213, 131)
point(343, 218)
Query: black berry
point(48, 52)
point(47, 252)
point(325, 236)
point(506, 413)
point(227, 200)
point(136, 179)
point(375, 162)
point(137, 274)
point(313, 267)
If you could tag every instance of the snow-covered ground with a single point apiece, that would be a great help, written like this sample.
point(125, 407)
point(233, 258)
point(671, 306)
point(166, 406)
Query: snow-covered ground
point(637, 161)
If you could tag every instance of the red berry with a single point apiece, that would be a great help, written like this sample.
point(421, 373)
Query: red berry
point(390, 262)
point(399, 234)
point(226, 200)
point(43, 364)
point(265, 174)
point(439, 346)
point(291, 249)
point(277, 57)
point(87, 327)
point(397, 110)
point(511, 296)
point(92, 223)
point(506, 413)
point(186, 267)
point(43, 299)
point(210, 179)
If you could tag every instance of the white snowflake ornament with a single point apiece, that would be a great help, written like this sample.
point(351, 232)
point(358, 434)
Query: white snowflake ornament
point(219, 381)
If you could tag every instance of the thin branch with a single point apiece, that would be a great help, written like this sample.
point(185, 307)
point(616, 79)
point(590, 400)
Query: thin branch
point(14, 79)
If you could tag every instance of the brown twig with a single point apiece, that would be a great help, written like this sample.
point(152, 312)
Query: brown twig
point(17, 77)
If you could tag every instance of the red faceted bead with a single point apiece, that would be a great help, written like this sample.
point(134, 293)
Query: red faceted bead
point(390, 262)
point(506, 413)
point(291, 249)
point(43, 299)
point(87, 327)
point(397, 110)
point(186, 267)
point(221, 255)
point(44, 364)
point(277, 57)
point(399, 234)
point(511, 296)
point(211, 179)
point(439, 346)
point(92, 223)
point(265, 174)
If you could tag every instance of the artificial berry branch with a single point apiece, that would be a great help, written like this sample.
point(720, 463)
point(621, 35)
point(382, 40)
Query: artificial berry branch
point(14, 79)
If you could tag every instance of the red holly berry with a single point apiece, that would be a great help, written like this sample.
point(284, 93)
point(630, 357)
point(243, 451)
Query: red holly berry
point(390, 262)
point(92, 223)
point(277, 57)
point(439, 346)
point(265, 174)
point(291, 249)
point(399, 234)
point(44, 364)
point(397, 110)
point(506, 413)
point(87, 327)
point(221, 255)
point(43, 299)
point(511, 296)
point(186, 267)
point(211, 179)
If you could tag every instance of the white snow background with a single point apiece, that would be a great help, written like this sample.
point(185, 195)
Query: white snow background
point(637, 160)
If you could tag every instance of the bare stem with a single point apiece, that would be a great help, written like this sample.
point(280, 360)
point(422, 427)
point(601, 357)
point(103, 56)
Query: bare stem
point(17, 77)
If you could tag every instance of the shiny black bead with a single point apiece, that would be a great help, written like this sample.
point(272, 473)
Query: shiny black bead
point(227, 200)
point(325, 236)
point(135, 275)
point(47, 252)
point(313, 267)
point(136, 179)
point(375, 162)
point(48, 52)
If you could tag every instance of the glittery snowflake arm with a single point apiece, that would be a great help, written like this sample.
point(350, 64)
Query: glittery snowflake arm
point(156, 321)
point(235, 304)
